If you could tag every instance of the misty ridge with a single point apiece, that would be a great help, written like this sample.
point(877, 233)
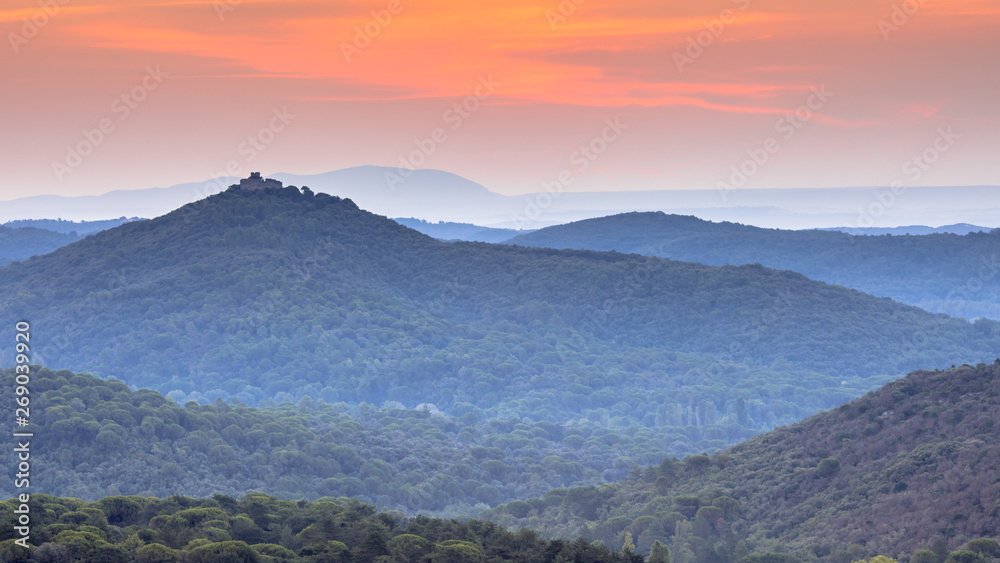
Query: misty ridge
point(252, 374)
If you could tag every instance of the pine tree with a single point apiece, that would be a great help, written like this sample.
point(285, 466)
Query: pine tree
point(659, 553)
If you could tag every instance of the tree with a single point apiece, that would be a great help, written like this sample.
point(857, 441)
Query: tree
point(924, 556)
point(156, 553)
point(629, 547)
point(985, 547)
point(227, 551)
point(372, 546)
point(409, 548)
point(659, 553)
point(828, 467)
point(965, 556)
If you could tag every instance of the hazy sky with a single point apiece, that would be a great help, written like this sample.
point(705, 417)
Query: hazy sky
point(185, 89)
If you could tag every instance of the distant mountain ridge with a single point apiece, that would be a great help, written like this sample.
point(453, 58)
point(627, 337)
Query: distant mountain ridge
point(66, 227)
point(956, 229)
point(943, 273)
point(436, 195)
point(459, 231)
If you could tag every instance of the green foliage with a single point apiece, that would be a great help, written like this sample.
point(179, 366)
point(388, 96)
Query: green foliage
point(828, 467)
point(964, 556)
point(984, 546)
point(406, 459)
point(659, 553)
point(925, 556)
point(778, 493)
point(770, 558)
point(325, 531)
point(258, 295)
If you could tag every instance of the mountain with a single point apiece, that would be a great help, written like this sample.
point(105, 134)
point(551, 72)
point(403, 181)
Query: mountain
point(957, 229)
point(432, 194)
point(20, 243)
point(436, 195)
point(911, 466)
point(942, 273)
point(257, 294)
point(82, 228)
point(459, 231)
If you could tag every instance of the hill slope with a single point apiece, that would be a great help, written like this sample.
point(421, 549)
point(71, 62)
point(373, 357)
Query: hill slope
point(97, 437)
point(895, 471)
point(25, 242)
point(259, 294)
point(945, 273)
point(459, 231)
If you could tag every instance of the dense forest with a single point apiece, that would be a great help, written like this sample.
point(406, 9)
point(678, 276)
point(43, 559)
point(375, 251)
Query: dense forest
point(25, 238)
point(262, 529)
point(908, 471)
point(943, 273)
point(98, 438)
point(255, 295)
point(82, 228)
point(24, 242)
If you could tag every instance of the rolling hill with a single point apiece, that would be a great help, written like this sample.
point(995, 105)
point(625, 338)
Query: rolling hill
point(909, 467)
point(97, 438)
point(943, 273)
point(33, 237)
point(281, 294)
point(24, 242)
point(459, 231)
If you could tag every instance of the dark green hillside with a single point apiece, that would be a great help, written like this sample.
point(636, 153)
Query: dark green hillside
point(97, 437)
point(911, 466)
point(25, 242)
point(946, 273)
point(262, 294)
point(262, 529)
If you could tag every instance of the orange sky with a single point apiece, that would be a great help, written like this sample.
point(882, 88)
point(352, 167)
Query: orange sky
point(557, 77)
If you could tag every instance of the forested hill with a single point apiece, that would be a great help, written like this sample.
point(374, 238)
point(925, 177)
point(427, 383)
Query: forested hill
point(944, 273)
point(25, 242)
point(907, 468)
point(255, 294)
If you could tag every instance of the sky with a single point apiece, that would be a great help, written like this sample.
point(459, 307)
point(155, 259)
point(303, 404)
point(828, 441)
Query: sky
point(516, 95)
